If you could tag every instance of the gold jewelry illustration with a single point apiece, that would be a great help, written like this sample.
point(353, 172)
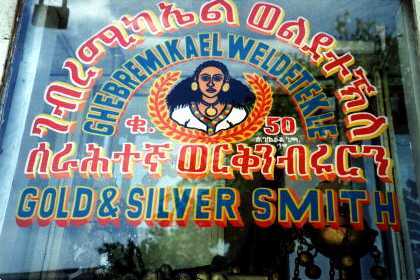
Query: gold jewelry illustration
point(194, 86)
point(211, 111)
point(226, 87)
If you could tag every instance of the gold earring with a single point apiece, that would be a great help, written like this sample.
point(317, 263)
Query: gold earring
point(194, 86)
point(226, 87)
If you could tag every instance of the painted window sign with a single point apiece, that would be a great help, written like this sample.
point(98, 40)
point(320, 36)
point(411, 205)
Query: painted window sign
point(211, 128)
point(206, 113)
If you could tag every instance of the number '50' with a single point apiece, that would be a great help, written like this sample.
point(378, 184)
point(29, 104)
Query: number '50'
point(280, 125)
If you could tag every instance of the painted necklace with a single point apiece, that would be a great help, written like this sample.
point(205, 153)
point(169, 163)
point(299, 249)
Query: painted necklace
point(210, 123)
point(210, 110)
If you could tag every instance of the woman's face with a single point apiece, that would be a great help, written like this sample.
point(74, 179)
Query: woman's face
point(210, 81)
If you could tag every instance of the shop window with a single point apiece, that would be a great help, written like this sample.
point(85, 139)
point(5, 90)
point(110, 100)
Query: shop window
point(121, 116)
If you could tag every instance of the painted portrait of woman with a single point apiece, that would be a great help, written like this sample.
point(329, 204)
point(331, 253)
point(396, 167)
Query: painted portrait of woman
point(210, 100)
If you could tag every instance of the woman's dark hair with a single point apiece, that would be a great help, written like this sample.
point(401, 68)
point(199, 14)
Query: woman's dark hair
point(238, 94)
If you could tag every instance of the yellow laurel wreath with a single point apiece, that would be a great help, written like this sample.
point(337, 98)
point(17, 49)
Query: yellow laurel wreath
point(159, 113)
